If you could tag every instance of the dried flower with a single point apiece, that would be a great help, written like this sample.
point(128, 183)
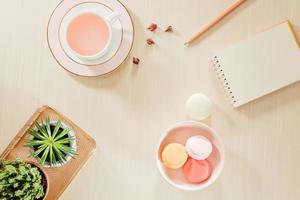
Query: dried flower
point(150, 41)
point(169, 29)
point(152, 27)
point(135, 61)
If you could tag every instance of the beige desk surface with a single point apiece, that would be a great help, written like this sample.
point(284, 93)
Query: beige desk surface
point(127, 110)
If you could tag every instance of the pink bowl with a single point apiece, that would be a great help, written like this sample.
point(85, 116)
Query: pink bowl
point(179, 133)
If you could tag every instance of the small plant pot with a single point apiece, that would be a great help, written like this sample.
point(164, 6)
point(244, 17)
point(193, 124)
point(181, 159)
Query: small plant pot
point(72, 144)
point(58, 178)
point(45, 179)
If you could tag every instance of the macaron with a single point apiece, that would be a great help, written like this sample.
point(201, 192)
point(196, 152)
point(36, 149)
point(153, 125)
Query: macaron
point(174, 155)
point(197, 171)
point(198, 147)
point(198, 107)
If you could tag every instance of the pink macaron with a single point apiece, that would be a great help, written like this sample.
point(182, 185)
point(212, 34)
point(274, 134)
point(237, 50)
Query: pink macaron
point(197, 171)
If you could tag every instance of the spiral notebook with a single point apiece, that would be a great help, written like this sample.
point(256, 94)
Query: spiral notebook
point(260, 65)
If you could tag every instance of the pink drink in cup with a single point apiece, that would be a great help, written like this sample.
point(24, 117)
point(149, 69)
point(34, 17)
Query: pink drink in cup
point(89, 34)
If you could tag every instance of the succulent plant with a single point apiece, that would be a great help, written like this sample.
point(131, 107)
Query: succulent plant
point(20, 181)
point(51, 143)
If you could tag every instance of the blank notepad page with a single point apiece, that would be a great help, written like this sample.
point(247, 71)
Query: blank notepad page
point(260, 65)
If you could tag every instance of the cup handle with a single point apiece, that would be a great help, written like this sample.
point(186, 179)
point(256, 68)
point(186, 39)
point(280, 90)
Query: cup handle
point(113, 17)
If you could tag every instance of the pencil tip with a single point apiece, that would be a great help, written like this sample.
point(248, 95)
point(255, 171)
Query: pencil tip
point(186, 44)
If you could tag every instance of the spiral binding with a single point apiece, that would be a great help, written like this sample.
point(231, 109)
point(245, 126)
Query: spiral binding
point(223, 80)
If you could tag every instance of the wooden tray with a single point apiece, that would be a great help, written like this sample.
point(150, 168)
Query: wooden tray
point(60, 177)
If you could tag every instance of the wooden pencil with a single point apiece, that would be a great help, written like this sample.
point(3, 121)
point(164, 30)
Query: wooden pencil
point(215, 21)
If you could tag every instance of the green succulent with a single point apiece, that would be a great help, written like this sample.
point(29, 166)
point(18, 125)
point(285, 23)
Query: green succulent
point(50, 143)
point(20, 181)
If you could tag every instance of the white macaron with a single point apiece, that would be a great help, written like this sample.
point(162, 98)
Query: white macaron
point(198, 107)
point(198, 147)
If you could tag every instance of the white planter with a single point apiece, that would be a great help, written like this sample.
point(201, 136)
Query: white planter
point(72, 145)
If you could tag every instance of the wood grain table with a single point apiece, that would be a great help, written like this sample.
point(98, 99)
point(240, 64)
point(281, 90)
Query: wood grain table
point(127, 110)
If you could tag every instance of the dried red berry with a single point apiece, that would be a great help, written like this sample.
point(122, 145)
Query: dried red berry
point(135, 61)
point(152, 27)
point(169, 29)
point(150, 41)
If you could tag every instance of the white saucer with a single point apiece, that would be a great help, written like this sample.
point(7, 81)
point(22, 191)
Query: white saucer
point(65, 61)
point(104, 11)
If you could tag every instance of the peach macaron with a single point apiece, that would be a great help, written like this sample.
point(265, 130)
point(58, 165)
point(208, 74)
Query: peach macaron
point(174, 155)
